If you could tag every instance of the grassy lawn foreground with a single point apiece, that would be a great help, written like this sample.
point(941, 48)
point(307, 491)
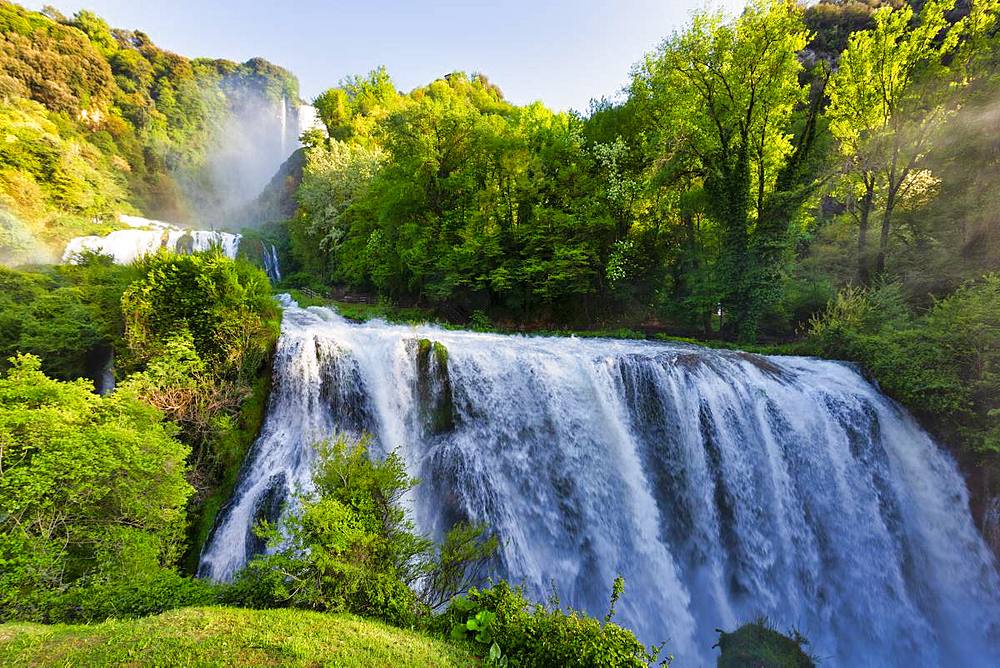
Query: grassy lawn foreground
point(225, 636)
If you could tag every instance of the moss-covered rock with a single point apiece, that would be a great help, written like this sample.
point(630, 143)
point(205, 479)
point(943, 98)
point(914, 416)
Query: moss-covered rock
point(433, 387)
point(184, 245)
point(757, 645)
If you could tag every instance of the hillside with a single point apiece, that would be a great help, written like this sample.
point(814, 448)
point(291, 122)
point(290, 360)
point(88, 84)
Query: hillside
point(223, 636)
point(97, 121)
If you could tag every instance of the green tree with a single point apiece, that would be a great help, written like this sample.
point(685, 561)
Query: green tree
point(893, 89)
point(336, 175)
point(350, 545)
point(225, 304)
point(722, 94)
point(89, 485)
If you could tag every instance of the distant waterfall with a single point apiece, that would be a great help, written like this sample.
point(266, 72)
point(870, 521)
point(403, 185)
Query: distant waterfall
point(308, 119)
point(721, 485)
point(105, 383)
point(269, 254)
point(148, 236)
point(283, 119)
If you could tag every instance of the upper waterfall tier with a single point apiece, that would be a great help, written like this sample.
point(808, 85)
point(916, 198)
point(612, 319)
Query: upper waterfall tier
point(148, 236)
point(721, 485)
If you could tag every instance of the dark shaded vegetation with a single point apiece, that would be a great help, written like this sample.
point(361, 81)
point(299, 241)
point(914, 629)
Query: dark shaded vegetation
point(758, 645)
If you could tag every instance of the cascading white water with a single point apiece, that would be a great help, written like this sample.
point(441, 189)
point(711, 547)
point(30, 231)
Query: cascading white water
point(283, 120)
point(272, 268)
point(308, 119)
point(148, 236)
point(721, 485)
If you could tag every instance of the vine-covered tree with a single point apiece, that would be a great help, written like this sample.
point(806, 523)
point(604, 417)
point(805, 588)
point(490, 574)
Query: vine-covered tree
point(722, 96)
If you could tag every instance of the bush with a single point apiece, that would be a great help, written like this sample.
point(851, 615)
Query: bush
point(199, 330)
point(530, 634)
point(350, 546)
point(944, 364)
point(92, 487)
point(760, 646)
point(106, 598)
point(226, 305)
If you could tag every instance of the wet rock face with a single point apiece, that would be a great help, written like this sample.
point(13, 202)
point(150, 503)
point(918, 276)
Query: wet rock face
point(185, 245)
point(991, 524)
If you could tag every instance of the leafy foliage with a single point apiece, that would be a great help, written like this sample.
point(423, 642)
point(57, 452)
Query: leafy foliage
point(198, 332)
point(757, 644)
point(350, 546)
point(450, 194)
point(726, 93)
point(68, 316)
point(943, 364)
point(225, 305)
point(90, 487)
point(531, 634)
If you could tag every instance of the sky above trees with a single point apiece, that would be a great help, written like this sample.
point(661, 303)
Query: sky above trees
point(563, 52)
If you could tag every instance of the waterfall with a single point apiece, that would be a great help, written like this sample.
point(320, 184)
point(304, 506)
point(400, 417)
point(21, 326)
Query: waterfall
point(148, 236)
point(105, 382)
point(308, 119)
point(271, 267)
point(283, 118)
point(721, 485)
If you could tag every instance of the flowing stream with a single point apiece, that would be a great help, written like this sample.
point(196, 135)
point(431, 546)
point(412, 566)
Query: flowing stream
point(721, 485)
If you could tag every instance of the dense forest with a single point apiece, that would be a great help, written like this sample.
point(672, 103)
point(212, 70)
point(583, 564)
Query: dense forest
point(750, 170)
point(100, 121)
point(802, 178)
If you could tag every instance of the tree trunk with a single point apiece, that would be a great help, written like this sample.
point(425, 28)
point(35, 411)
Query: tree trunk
point(865, 213)
point(883, 242)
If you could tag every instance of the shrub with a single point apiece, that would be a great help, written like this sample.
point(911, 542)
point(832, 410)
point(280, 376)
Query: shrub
point(944, 364)
point(531, 634)
point(199, 329)
point(98, 599)
point(757, 644)
point(351, 546)
point(92, 487)
point(226, 305)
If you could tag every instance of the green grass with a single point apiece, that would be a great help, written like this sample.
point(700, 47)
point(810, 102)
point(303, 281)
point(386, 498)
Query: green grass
point(224, 637)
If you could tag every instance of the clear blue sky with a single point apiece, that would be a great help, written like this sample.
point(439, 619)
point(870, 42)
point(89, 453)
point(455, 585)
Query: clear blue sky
point(563, 52)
